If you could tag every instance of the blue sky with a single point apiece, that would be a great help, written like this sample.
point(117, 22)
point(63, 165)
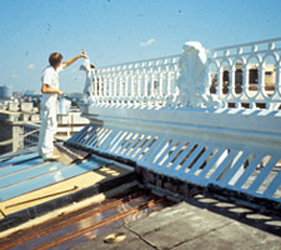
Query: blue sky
point(118, 31)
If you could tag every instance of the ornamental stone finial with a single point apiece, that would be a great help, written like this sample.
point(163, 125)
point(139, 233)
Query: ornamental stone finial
point(193, 81)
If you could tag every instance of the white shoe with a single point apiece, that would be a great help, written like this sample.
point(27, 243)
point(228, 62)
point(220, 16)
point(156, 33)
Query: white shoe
point(51, 158)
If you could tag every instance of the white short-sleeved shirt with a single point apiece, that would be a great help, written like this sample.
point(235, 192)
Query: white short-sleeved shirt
point(50, 76)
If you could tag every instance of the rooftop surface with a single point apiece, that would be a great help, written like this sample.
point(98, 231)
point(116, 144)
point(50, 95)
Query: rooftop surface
point(184, 226)
point(73, 204)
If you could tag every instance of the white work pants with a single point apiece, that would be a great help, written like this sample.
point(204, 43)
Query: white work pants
point(47, 131)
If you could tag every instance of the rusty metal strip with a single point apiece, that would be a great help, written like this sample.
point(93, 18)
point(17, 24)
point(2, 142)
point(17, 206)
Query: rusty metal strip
point(105, 222)
point(71, 220)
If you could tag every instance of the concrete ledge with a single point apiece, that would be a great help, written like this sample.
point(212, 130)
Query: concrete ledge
point(256, 128)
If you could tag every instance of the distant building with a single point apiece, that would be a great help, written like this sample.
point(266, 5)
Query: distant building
point(5, 92)
point(20, 123)
point(32, 96)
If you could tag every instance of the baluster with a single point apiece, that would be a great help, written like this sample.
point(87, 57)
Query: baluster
point(105, 87)
point(120, 82)
point(130, 79)
point(126, 74)
point(157, 89)
point(138, 85)
point(231, 77)
point(119, 86)
point(133, 87)
point(145, 85)
point(114, 84)
point(169, 82)
point(108, 94)
point(108, 82)
point(101, 86)
point(245, 82)
point(149, 80)
point(161, 87)
point(220, 83)
point(153, 83)
point(175, 75)
point(166, 75)
point(261, 81)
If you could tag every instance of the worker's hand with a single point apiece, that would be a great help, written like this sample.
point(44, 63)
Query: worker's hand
point(59, 92)
point(83, 54)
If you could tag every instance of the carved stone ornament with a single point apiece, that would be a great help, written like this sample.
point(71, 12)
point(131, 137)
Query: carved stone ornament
point(193, 81)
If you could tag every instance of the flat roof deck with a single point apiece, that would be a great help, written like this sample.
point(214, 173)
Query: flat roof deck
point(30, 189)
point(184, 226)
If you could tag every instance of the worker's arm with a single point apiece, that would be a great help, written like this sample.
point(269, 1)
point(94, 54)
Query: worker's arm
point(46, 89)
point(72, 60)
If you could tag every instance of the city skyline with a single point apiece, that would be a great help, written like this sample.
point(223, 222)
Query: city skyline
point(119, 31)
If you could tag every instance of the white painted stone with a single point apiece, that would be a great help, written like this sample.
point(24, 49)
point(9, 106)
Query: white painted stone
point(88, 88)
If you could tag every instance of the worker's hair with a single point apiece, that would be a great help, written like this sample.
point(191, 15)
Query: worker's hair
point(55, 58)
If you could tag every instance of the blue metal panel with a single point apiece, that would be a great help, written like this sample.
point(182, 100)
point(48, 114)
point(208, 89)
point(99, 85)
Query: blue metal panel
point(174, 153)
point(234, 168)
point(27, 174)
point(115, 137)
point(81, 133)
point(146, 144)
point(166, 151)
point(182, 155)
point(209, 165)
point(20, 166)
point(133, 145)
point(102, 137)
point(263, 174)
point(57, 172)
point(249, 170)
point(192, 157)
point(121, 136)
point(155, 149)
point(107, 141)
point(92, 137)
point(18, 159)
point(125, 143)
point(273, 186)
point(225, 164)
point(200, 161)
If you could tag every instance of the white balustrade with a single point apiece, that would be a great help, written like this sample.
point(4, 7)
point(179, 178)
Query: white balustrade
point(240, 76)
point(148, 82)
point(247, 75)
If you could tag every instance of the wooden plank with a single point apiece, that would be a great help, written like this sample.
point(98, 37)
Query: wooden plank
point(69, 154)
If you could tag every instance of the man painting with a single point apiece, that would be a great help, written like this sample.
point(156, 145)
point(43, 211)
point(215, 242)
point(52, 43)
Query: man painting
point(50, 90)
